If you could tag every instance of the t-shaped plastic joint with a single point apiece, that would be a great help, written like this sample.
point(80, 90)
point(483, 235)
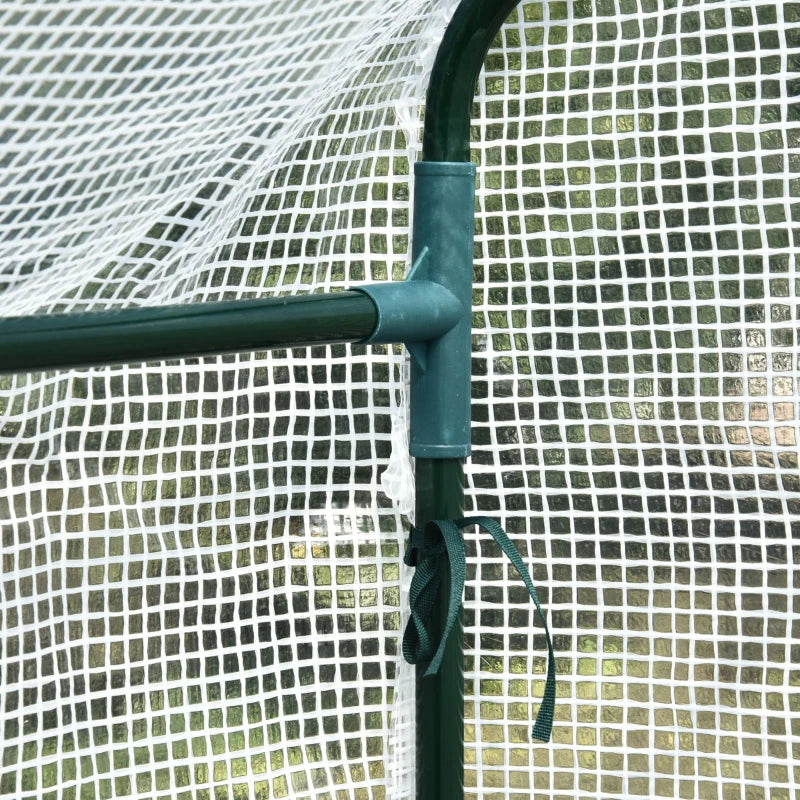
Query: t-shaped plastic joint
point(430, 312)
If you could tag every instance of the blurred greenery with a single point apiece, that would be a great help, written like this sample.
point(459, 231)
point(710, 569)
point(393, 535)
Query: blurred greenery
point(201, 580)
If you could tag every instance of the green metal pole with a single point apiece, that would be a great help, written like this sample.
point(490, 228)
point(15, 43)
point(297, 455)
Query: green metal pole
point(440, 482)
point(451, 90)
point(440, 697)
point(141, 334)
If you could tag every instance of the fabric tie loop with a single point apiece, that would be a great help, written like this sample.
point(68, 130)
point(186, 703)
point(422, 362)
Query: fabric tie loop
point(438, 545)
point(429, 550)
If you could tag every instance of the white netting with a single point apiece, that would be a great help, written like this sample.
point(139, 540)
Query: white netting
point(201, 587)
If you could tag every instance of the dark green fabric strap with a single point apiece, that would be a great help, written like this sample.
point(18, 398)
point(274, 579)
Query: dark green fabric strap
point(430, 550)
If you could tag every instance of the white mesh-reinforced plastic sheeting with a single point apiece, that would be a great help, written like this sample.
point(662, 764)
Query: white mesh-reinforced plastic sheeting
point(202, 592)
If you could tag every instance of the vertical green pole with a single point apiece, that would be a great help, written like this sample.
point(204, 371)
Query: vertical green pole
point(440, 697)
point(440, 482)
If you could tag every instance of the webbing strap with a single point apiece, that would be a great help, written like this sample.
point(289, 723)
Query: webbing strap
point(430, 549)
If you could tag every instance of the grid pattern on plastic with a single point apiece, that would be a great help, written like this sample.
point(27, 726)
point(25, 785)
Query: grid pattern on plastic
point(201, 576)
point(201, 580)
point(636, 383)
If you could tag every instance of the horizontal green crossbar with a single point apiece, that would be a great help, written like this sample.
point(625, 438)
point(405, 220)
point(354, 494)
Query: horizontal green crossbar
point(183, 331)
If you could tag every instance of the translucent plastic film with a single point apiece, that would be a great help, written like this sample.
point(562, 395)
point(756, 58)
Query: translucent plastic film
point(202, 590)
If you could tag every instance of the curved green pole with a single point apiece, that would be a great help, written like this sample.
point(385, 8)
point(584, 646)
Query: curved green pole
point(451, 90)
point(440, 482)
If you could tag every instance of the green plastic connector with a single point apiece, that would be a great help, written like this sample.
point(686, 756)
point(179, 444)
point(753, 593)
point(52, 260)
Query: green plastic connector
point(430, 312)
point(415, 311)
